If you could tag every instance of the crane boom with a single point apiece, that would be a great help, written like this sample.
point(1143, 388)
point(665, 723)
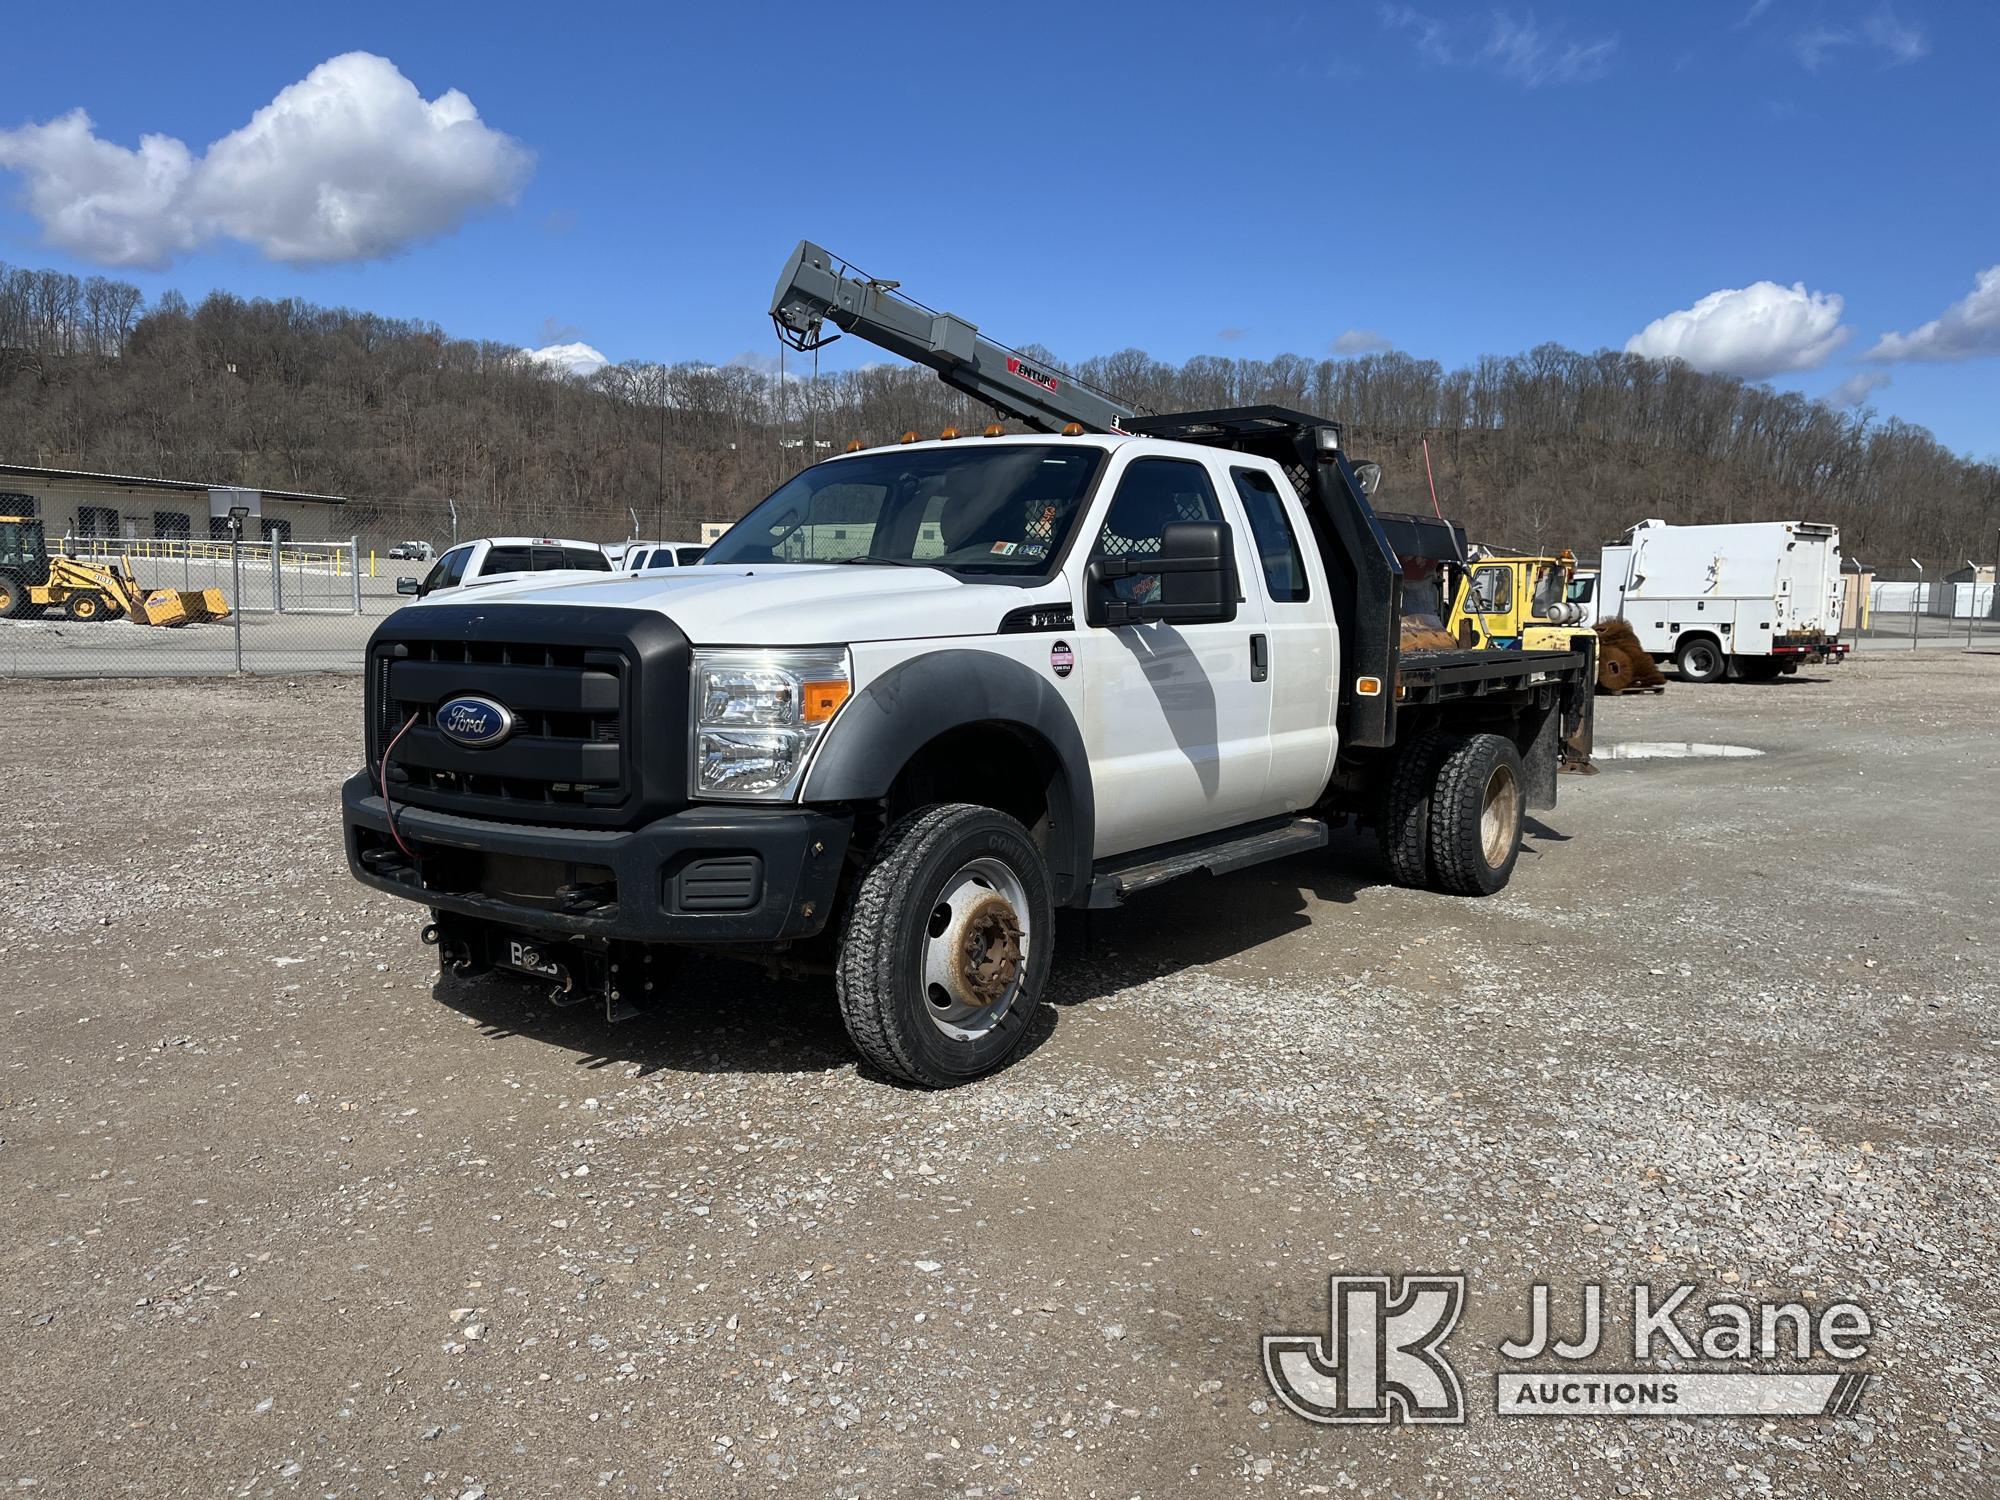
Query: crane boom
point(817, 288)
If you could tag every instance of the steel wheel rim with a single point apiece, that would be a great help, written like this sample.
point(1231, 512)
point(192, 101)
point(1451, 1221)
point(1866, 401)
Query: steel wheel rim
point(1499, 816)
point(1702, 660)
point(976, 946)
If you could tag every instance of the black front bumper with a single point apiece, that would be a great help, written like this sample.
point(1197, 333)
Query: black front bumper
point(700, 875)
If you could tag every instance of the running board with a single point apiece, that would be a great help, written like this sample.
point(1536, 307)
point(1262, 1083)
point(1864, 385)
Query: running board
point(1218, 853)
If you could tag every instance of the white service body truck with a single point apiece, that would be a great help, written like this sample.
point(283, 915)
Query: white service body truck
point(1751, 599)
point(928, 693)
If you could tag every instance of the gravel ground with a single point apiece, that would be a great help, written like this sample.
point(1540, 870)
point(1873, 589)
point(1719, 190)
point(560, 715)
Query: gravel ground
point(288, 1218)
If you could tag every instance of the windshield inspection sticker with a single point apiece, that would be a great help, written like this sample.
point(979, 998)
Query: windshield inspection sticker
point(1005, 549)
point(1062, 660)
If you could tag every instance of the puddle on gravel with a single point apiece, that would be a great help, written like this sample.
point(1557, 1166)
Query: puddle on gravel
point(1672, 750)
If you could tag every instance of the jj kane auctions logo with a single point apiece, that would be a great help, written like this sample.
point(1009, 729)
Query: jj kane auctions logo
point(1382, 1358)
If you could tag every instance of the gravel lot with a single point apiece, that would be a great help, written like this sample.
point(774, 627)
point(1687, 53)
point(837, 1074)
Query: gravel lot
point(286, 1217)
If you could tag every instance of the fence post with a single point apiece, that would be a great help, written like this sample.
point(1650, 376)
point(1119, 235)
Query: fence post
point(277, 579)
point(236, 604)
point(354, 569)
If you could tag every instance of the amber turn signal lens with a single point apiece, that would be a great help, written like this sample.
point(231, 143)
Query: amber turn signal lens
point(909, 437)
point(1072, 429)
point(854, 445)
point(948, 434)
point(1368, 687)
point(994, 429)
point(820, 701)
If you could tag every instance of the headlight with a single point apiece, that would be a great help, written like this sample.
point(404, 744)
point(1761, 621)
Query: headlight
point(757, 715)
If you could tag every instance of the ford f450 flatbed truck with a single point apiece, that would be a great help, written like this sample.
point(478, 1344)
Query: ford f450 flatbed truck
point(926, 694)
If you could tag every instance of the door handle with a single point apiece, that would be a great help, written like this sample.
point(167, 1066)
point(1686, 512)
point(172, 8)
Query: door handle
point(1260, 659)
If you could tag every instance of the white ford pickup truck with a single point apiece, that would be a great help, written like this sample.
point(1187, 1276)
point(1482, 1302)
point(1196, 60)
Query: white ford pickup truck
point(928, 693)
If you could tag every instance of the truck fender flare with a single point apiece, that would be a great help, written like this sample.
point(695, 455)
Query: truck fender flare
point(914, 702)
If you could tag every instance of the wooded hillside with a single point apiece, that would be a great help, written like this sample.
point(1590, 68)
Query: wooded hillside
point(1546, 449)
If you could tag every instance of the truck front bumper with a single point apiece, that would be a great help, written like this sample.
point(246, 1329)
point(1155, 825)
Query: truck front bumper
point(702, 875)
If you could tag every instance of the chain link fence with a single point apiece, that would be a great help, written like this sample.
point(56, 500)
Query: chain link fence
point(1914, 612)
point(108, 606)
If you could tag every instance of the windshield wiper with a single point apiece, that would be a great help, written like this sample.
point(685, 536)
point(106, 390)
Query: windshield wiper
point(883, 562)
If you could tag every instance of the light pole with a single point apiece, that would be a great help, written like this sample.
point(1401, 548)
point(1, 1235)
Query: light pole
point(1916, 598)
point(237, 513)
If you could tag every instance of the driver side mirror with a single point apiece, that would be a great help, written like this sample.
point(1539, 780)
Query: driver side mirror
point(408, 586)
point(1196, 573)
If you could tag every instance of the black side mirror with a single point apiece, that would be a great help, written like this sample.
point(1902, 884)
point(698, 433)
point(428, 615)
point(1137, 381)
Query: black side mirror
point(408, 586)
point(1196, 568)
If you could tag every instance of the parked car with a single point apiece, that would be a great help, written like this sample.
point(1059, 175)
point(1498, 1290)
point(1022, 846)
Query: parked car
point(491, 559)
point(641, 557)
point(412, 552)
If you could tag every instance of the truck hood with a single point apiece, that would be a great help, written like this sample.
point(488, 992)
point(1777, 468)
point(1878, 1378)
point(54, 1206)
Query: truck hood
point(789, 604)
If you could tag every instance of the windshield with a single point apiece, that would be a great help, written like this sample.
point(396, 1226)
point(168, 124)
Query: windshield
point(1003, 510)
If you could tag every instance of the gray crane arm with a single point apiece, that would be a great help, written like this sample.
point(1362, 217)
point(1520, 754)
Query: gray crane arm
point(818, 288)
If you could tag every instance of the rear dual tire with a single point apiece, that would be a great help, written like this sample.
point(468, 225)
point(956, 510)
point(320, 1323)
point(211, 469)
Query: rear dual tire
point(1453, 812)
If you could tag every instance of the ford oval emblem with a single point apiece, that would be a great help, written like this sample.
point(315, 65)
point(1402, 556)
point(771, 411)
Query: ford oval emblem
point(475, 723)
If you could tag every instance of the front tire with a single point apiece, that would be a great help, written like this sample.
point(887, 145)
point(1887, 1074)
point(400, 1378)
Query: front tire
point(1701, 660)
point(947, 947)
point(86, 606)
point(1476, 814)
point(13, 597)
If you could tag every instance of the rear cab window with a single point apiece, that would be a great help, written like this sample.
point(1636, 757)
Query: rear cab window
point(507, 560)
point(588, 559)
point(1278, 551)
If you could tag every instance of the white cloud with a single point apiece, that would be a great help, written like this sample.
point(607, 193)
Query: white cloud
point(1857, 388)
point(576, 358)
point(1515, 49)
point(1752, 331)
point(1360, 341)
point(349, 163)
point(1816, 46)
point(1885, 31)
point(1904, 44)
point(1968, 328)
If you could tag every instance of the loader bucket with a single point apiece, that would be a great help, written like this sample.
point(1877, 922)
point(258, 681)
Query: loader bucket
point(162, 607)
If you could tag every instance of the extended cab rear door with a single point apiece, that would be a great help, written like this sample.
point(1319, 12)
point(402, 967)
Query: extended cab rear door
point(1176, 717)
point(1300, 652)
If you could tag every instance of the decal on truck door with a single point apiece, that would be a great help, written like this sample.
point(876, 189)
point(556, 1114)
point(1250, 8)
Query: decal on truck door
point(1062, 660)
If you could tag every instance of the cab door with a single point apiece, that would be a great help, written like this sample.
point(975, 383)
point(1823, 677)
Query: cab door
point(1176, 717)
point(1301, 645)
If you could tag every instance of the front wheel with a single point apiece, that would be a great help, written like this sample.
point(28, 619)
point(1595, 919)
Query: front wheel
point(86, 605)
point(13, 597)
point(1700, 660)
point(1477, 810)
point(947, 946)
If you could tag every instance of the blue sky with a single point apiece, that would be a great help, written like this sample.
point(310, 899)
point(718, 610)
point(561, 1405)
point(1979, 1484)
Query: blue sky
point(1231, 179)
